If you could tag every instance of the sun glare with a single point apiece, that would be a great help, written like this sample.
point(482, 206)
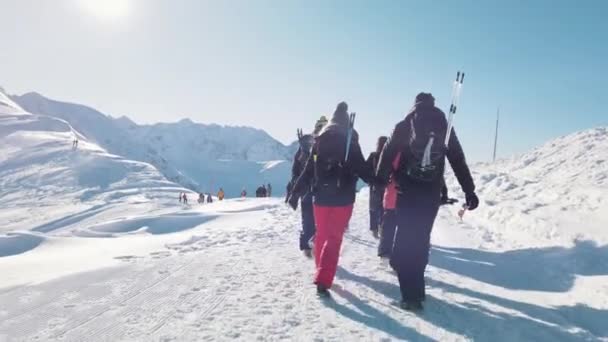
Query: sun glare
point(106, 9)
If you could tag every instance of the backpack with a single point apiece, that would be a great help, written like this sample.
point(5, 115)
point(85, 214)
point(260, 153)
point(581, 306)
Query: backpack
point(330, 168)
point(425, 151)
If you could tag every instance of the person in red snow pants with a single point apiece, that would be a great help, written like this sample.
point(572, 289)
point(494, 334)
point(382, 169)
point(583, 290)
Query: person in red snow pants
point(331, 224)
point(333, 170)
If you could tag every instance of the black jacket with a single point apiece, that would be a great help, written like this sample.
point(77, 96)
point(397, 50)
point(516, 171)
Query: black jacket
point(332, 185)
point(376, 191)
point(399, 142)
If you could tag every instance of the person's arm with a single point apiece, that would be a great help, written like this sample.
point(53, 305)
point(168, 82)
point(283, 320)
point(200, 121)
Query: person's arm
point(362, 168)
point(457, 160)
point(297, 188)
point(393, 146)
point(455, 156)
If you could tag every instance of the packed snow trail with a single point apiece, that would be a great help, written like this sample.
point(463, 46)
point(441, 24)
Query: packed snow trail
point(241, 277)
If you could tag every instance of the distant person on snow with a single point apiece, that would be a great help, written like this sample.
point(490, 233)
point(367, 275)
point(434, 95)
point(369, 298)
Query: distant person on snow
point(334, 178)
point(420, 139)
point(243, 193)
point(305, 198)
point(269, 190)
point(185, 198)
point(209, 198)
point(75, 143)
point(376, 191)
point(220, 194)
point(201, 198)
point(181, 197)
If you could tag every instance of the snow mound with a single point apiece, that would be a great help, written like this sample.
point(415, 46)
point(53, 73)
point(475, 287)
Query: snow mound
point(557, 191)
point(39, 168)
point(161, 224)
point(17, 243)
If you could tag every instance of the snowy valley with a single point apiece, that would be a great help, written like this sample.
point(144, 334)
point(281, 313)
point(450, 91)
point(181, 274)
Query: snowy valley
point(94, 245)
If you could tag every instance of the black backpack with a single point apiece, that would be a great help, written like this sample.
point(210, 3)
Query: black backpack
point(425, 153)
point(329, 152)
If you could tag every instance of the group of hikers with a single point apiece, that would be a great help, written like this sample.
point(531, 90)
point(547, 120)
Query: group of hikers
point(264, 190)
point(405, 175)
point(202, 198)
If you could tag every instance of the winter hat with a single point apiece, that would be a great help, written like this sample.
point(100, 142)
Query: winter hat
point(425, 99)
point(341, 114)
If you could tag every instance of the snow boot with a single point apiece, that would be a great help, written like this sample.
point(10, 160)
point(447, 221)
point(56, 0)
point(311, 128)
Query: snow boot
point(412, 305)
point(322, 291)
point(307, 253)
point(375, 234)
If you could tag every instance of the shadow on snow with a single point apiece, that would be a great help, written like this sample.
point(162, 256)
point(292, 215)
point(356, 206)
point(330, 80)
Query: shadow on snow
point(540, 269)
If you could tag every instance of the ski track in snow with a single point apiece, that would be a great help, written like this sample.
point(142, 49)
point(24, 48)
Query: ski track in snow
point(246, 280)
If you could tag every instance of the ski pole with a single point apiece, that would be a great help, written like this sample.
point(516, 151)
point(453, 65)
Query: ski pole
point(456, 91)
point(349, 134)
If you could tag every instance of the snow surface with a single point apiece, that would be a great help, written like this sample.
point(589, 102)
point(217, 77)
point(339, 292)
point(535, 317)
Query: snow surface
point(95, 247)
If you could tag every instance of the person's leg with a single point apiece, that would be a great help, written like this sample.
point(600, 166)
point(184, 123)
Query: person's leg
point(415, 218)
point(322, 215)
point(308, 222)
point(330, 250)
point(387, 233)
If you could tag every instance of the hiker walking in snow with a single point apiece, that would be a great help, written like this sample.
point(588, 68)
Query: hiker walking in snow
point(181, 197)
point(389, 218)
point(269, 190)
point(244, 193)
point(201, 198)
point(221, 194)
point(420, 139)
point(209, 198)
point(185, 198)
point(297, 168)
point(376, 191)
point(75, 143)
point(334, 174)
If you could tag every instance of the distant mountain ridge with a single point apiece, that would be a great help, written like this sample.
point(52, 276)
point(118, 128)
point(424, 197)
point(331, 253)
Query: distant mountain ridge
point(194, 155)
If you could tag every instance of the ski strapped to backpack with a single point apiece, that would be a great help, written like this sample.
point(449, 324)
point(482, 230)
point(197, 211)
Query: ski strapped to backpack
point(349, 134)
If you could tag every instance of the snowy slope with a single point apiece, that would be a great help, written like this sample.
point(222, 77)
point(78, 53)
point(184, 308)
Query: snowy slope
point(48, 188)
point(559, 191)
point(160, 271)
point(200, 157)
point(102, 130)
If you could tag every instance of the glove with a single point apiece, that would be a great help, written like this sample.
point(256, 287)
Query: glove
point(472, 201)
point(293, 202)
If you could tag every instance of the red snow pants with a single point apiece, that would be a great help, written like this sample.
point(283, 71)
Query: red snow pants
point(331, 224)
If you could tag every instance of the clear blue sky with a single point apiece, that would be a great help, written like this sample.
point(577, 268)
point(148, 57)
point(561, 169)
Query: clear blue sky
point(279, 64)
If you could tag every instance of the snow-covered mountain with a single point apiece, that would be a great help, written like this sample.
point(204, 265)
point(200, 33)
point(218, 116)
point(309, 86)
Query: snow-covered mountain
point(103, 131)
point(40, 168)
point(200, 157)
